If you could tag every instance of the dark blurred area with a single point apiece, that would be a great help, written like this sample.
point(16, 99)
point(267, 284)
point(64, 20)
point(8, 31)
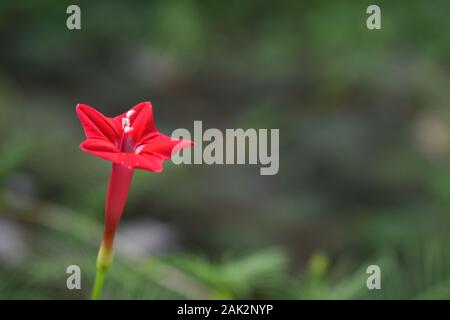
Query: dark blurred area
point(364, 148)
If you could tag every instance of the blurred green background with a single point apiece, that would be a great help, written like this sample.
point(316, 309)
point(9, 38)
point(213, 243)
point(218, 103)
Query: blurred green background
point(364, 148)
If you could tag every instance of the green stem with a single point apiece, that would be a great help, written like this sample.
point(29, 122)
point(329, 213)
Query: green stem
point(104, 261)
point(98, 284)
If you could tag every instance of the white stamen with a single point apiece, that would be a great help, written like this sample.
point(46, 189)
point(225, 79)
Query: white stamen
point(126, 126)
point(125, 123)
point(139, 149)
point(130, 113)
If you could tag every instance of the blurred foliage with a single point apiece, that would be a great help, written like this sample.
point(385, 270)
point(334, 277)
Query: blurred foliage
point(364, 148)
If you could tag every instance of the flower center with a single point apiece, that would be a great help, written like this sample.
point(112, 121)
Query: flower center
point(126, 126)
point(127, 143)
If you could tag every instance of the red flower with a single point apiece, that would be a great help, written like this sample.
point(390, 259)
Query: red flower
point(131, 141)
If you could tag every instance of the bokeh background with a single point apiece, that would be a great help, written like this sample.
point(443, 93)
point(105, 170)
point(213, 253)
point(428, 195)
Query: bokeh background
point(364, 148)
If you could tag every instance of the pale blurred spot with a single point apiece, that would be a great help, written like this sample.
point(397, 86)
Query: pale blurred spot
point(141, 239)
point(432, 134)
point(20, 191)
point(12, 242)
point(153, 67)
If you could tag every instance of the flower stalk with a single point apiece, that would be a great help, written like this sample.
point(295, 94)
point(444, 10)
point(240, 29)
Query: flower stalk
point(119, 185)
point(102, 270)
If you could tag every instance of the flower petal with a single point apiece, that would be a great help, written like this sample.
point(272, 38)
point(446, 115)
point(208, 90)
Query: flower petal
point(96, 125)
point(132, 160)
point(164, 146)
point(100, 148)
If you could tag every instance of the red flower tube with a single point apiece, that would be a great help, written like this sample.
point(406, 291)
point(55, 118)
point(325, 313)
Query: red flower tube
point(130, 141)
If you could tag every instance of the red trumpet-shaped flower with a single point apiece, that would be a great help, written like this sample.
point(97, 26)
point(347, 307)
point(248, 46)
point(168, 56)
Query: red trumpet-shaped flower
point(131, 141)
